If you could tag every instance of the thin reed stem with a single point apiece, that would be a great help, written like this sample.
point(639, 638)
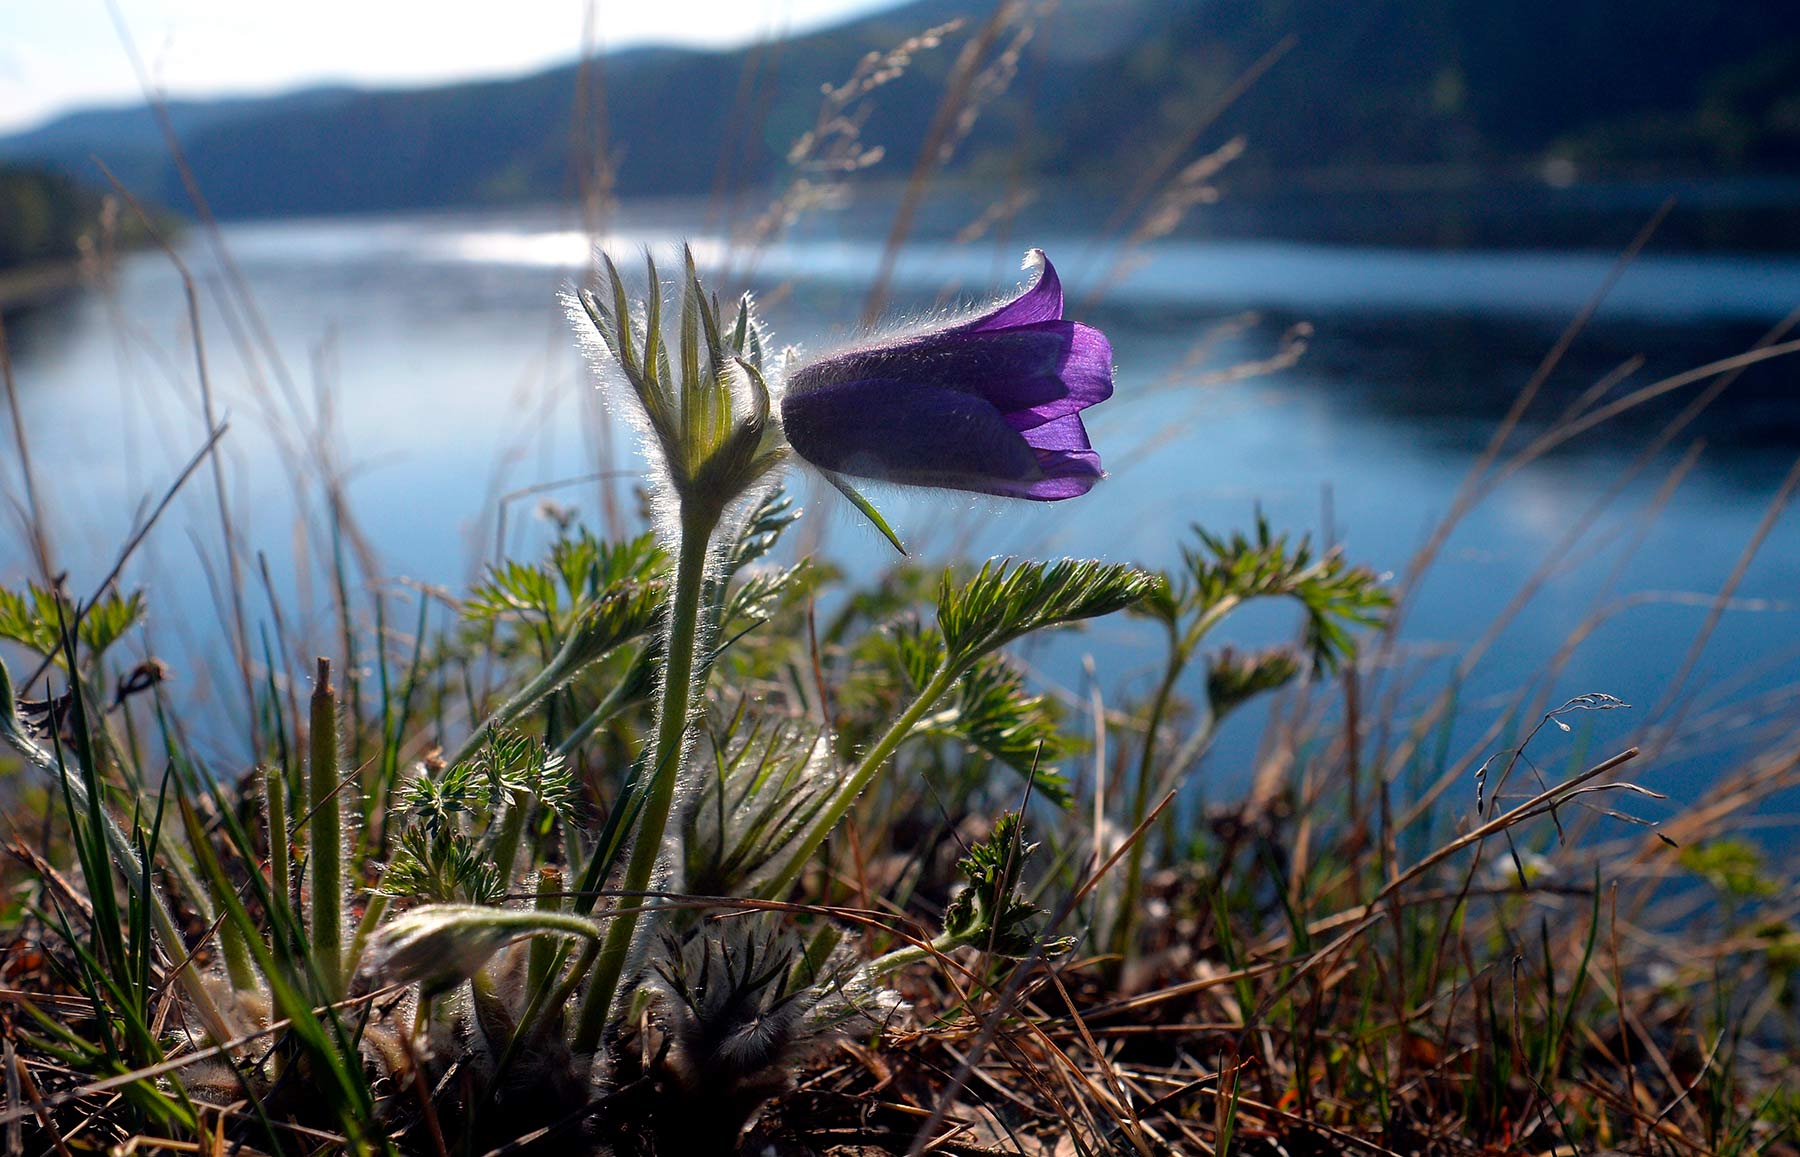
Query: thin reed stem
point(1182, 646)
point(38, 531)
point(365, 929)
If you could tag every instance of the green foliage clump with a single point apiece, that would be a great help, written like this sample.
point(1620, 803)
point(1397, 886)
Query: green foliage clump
point(35, 616)
point(1732, 865)
point(43, 216)
point(453, 839)
point(991, 911)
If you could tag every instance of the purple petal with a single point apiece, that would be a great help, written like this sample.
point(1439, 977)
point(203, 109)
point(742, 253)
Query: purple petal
point(1066, 457)
point(1032, 374)
point(1065, 434)
point(909, 432)
point(1069, 485)
point(1084, 374)
point(1067, 473)
point(1042, 302)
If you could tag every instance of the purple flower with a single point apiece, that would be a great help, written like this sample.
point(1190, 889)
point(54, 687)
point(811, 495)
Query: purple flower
point(992, 404)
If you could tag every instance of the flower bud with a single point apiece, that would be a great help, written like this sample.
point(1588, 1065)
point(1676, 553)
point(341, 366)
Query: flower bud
point(706, 414)
point(438, 946)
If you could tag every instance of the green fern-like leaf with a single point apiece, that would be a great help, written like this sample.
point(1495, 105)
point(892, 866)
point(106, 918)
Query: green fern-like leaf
point(107, 621)
point(734, 606)
point(616, 618)
point(1233, 679)
point(580, 570)
point(507, 763)
point(441, 857)
point(446, 868)
point(761, 531)
point(769, 779)
point(991, 912)
point(611, 564)
point(20, 622)
point(753, 600)
point(994, 712)
point(1228, 571)
point(1007, 599)
point(918, 649)
point(513, 590)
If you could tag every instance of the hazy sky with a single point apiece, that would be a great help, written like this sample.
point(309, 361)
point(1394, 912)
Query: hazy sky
point(55, 54)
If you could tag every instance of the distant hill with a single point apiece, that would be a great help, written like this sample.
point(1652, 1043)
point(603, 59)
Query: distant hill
point(1102, 91)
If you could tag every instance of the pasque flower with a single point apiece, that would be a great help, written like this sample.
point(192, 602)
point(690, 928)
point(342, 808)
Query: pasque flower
point(991, 404)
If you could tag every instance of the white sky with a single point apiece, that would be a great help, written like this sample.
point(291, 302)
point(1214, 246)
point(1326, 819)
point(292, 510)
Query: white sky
point(59, 54)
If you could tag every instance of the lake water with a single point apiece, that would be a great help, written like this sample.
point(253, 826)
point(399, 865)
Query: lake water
point(437, 348)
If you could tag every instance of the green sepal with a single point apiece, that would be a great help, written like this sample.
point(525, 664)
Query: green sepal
point(868, 510)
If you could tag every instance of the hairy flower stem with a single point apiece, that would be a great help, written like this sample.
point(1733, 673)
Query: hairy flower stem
point(327, 838)
point(510, 833)
point(544, 1007)
point(872, 763)
point(674, 707)
point(238, 966)
point(886, 965)
point(617, 699)
point(556, 673)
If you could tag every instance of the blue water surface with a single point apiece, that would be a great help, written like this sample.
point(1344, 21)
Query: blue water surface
point(435, 351)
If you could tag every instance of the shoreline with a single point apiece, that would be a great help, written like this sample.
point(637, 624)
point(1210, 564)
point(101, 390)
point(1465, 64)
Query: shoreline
point(26, 285)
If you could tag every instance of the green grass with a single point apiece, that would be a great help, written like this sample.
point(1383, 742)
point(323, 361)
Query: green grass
point(1297, 963)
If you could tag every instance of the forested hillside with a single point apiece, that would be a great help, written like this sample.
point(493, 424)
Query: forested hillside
point(1103, 87)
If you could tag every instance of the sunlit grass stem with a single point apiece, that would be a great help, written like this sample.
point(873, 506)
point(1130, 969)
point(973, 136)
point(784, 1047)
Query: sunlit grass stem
point(1126, 924)
point(119, 848)
point(274, 785)
point(236, 950)
point(365, 929)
